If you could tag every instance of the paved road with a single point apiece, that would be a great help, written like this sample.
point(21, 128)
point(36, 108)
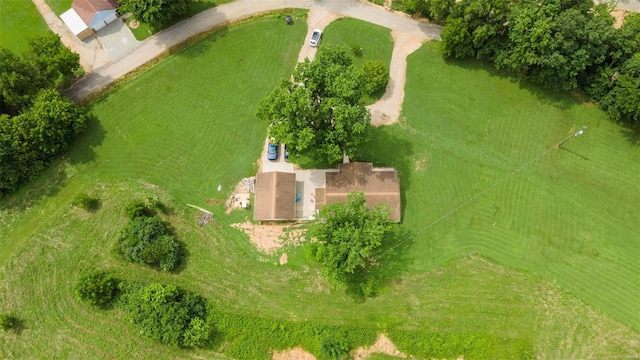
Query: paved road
point(163, 41)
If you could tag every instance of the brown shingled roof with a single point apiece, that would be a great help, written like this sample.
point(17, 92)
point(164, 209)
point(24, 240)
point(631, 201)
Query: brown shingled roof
point(275, 196)
point(378, 186)
point(87, 9)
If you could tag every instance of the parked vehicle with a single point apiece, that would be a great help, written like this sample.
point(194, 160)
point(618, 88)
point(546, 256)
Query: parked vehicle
point(286, 153)
point(315, 37)
point(272, 151)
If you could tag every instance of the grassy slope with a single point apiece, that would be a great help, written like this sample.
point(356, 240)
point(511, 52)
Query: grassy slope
point(186, 134)
point(19, 20)
point(568, 214)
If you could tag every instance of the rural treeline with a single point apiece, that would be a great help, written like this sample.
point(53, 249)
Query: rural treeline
point(559, 44)
point(37, 123)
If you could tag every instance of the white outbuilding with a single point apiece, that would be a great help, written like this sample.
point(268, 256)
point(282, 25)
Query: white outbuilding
point(88, 16)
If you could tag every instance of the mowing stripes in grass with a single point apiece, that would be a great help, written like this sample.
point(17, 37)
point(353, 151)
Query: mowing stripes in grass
point(563, 205)
point(19, 21)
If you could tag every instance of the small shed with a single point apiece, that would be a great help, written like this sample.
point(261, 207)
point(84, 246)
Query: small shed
point(88, 16)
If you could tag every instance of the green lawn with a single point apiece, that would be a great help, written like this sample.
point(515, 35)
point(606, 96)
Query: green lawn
point(374, 40)
point(59, 6)
point(19, 20)
point(524, 264)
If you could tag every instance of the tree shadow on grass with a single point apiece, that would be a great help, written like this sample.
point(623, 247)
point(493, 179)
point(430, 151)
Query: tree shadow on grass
point(560, 99)
point(82, 149)
point(47, 184)
point(391, 261)
point(631, 133)
point(201, 44)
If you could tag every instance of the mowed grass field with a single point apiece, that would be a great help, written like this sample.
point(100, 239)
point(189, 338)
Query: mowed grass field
point(500, 265)
point(19, 20)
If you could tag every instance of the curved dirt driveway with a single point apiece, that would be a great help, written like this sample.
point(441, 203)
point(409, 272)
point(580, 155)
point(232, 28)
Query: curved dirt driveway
point(162, 42)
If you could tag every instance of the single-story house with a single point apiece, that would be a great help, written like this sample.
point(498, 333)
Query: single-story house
point(88, 16)
point(379, 185)
point(276, 196)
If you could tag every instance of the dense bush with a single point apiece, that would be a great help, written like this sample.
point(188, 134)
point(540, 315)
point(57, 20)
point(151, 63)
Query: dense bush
point(97, 288)
point(137, 208)
point(86, 202)
point(146, 240)
point(334, 349)
point(8, 321)
point(377, 74)
point(170, 315)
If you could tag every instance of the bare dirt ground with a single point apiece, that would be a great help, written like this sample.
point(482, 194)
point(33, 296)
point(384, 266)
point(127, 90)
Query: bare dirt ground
point(387, 110)
point(293, 354)
point(269, 238)
point(318, 18)
point(383, 346)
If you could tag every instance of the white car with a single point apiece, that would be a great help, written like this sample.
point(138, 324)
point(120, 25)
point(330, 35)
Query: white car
point(315, 37)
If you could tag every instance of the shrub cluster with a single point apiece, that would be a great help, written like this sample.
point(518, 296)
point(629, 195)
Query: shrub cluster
point(86, 202)
point(170, 315)
point(146, 240)
point(97, 288)
point(377, 75)
point(8, 321)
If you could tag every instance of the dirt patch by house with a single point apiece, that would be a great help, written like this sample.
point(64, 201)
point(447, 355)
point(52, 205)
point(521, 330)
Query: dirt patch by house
point(241, 196)
point(383, 346)
point(293, 354)
point(269, 238)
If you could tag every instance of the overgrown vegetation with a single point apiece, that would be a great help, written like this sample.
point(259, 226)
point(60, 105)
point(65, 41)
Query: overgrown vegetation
point(97, 288)
point(145, 239)
point(86, 202)
point(170, 315)
point(8, 321)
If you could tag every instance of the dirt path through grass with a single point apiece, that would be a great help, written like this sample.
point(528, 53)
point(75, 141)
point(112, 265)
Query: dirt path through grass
point(387, 110)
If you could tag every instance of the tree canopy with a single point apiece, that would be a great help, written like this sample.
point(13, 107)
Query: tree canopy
point(318, 111)
point(146, 240)
point(156, 13)
point(347, 235)
point(97, 288)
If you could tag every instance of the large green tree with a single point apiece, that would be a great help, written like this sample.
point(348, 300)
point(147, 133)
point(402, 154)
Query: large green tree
point(156, 13)
point(476, 28)
point(622, 102)
point(53, 61)
point(555, 43)
point(318, 112)
point(30, 140)
point(347, 236)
